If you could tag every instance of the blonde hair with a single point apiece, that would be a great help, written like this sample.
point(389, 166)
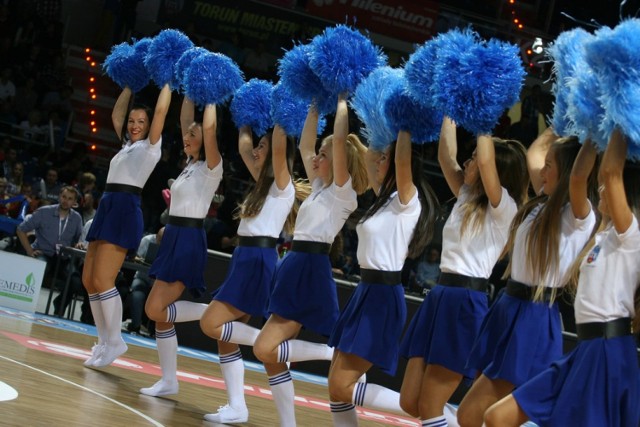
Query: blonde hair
point(355, 162)
point(511, 163)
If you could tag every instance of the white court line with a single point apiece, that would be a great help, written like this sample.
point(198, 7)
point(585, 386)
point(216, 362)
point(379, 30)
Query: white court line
point(129, 408)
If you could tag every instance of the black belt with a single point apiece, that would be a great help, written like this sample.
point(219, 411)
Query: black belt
point(182, 221)
point(311, 247)
point(462, 281)
point(611, 329)
point(122, 188)
point(257, 241)
point(520, 290)
point(380, 276)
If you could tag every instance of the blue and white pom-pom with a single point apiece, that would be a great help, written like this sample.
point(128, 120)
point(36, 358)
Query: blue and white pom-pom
point(290, 112)
point(584, 110)
point(212, 78)
point(342, 57)
point(452, 50)
point(615, 58)
point(368, 102)
point(165, 50)
point(298, 77)
point(476, 85)
point(403, 112)
point(125, 65)
point(567, 53)
point(419, 71)
point(182, 66)
point(251, 106)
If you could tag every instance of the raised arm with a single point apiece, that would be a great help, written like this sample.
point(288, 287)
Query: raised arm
point(578, 183)
point(279, 158)
point(187, 114)
point(245, 148)
point(308, 141)
point(340, 132)
point(486, 160)
point(404, 174)
point(160, 114)
point(209, 138)
point(610, 172)
point(447, 156)
point(119, 113)
point(536, 155)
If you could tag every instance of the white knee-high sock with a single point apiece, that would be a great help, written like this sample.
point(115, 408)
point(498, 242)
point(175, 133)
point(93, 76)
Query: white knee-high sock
point(98, 316)
point(112, 311)
point(185, 311)
point(167, 343)
point(232, 368)
point(299, 351)
point(375, 396)
point(440, 421)
point(343, 414)
point(239, 333)
point(283, 396)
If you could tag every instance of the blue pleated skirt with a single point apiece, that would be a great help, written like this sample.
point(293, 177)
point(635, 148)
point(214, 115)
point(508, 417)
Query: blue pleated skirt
point(304, 291)
point(182, 256)
point(597, 384)
point(118, 220)
point(445, 327)
point(517, 340)
point(371, 324)
point(248, 282)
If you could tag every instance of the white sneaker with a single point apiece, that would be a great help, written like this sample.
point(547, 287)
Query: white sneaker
point(110, 353)
point(96, 352)
point(226, 414)
point(161, 388)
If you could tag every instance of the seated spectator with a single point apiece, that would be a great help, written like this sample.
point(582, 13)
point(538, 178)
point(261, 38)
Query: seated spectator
point(10, 158)
point(7, 88)
point(141, 284)
point(54, 226)
point(32, 128)
point(49, 187)
point(428, 269)
point(88, 196)
point(16, 180)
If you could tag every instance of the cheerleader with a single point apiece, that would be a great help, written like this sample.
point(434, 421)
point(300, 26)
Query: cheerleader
point(304, 292)
point(117, 226)
point(245, 291)
point(596, 384)
point(182, 256)
point(369, 328)
point(490, 187)
point(521, 334)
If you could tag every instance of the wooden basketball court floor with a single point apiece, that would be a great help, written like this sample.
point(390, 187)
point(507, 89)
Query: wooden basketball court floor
point(43, 383)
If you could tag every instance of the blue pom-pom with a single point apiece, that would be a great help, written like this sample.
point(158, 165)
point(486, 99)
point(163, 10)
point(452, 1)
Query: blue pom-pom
point(212, 78)
point(290, 111)
point(476, 82)
point(165, 50)
point(296, 74)
point(251, 106)
point(584, 110)
point(419, 70)
point(182, 66)
point(125, 65)
point(368, 102)
point(341, 57)
point(615, 58)
point(567, 53)
point(452, 50)
point(404, 112)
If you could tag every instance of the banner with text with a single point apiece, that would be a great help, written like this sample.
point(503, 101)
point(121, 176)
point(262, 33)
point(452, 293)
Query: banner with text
point(20, 281)
point(255, 22)
point(411, 21)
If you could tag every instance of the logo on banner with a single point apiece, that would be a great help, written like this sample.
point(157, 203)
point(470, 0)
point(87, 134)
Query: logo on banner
point(21, 291)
